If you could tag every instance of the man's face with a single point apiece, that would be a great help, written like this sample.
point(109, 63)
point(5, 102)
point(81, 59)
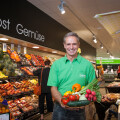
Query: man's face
point(71, 45)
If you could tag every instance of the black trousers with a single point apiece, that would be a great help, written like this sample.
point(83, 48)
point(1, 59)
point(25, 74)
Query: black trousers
point(118, 75)
point(49, 102)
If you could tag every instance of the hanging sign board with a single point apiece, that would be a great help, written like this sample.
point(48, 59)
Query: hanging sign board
point(108, 61)
point(4, 47)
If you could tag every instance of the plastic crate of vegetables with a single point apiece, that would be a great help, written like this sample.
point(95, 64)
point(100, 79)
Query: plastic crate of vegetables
point(80, 97)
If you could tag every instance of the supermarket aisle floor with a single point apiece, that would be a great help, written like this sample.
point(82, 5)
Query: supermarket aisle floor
point(48, 116)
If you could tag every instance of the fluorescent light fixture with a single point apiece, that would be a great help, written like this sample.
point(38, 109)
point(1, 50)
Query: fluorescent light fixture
point(108, 13)
point(4, 39)
point(117, 32)
point(61, 8)
point(54, 51)
point(35, 47)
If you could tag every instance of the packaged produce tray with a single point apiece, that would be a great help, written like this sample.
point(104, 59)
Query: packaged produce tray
point(113, 89)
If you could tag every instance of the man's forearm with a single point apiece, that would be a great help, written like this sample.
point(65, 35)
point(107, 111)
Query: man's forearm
point(56, 94)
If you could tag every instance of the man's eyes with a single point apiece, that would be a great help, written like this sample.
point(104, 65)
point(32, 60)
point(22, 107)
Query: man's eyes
point(72, 44)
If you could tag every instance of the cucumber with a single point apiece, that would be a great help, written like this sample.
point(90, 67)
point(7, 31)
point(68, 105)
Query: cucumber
point(78, 103)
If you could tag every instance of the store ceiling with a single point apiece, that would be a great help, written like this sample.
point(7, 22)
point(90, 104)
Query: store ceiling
point(79, 18)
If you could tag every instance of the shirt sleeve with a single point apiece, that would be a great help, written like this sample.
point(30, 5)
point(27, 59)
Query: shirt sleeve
point(53, 76)
point(91, 73)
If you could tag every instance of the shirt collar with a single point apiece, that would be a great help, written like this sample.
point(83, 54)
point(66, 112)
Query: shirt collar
point(78, 58)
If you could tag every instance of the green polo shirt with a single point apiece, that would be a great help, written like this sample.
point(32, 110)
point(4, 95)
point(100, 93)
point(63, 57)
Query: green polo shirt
point(64, 73)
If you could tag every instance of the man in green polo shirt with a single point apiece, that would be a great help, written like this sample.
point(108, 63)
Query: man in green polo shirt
point(64, 73)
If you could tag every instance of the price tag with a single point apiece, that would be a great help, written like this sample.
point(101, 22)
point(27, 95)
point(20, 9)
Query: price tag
point(12, 47)
point(19, 49)
point(4, 47)
point(25, 50)
point(4, 116)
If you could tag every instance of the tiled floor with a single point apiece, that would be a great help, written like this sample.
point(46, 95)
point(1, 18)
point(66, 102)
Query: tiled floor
point(48, 116)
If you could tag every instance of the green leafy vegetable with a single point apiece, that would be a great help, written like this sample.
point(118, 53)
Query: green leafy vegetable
point(93, 87)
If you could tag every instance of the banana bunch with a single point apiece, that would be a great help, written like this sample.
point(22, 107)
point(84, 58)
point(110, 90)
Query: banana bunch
point(2, 75)
point(34, 81)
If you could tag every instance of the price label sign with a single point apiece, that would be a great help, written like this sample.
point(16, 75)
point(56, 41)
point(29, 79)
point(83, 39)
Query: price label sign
point(25, 50)
point(4, 116)
point(12, 47)
point(19, 49)
point(4, 47)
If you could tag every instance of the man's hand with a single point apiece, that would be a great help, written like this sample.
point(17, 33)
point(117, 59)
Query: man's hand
point(56, 94)
point(72, 108)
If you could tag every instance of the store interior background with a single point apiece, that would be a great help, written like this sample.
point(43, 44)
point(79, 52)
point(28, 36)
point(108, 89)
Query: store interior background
point(79, 18)
point(43, 17)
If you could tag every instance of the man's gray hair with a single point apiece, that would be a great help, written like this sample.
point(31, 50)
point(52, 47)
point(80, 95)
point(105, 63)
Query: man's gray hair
point(71, 34)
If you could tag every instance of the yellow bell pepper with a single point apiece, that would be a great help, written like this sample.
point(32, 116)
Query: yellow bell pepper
point(67, 92)
point(82, 87)
point(73, 92)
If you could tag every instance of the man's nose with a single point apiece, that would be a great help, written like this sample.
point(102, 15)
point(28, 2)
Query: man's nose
point(71, 46)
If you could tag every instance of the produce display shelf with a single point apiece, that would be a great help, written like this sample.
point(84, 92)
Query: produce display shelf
point(113, 89)
point(109, 80)
point(14, 96)
point(1, 79)
point(29, 114)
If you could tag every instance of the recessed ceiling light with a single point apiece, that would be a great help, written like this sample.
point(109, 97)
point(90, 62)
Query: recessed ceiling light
point(35, 47)
point(94, 40)
point(54, 51)
point(101, 46)
point(4, 39)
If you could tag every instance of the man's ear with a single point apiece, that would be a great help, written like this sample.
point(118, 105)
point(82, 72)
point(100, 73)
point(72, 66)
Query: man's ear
point(64, 45)
point(79, 44)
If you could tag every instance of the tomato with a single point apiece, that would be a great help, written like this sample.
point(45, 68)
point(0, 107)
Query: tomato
point(66, 96)
point(77, 97)
point(65, 101)
point(72, 97)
